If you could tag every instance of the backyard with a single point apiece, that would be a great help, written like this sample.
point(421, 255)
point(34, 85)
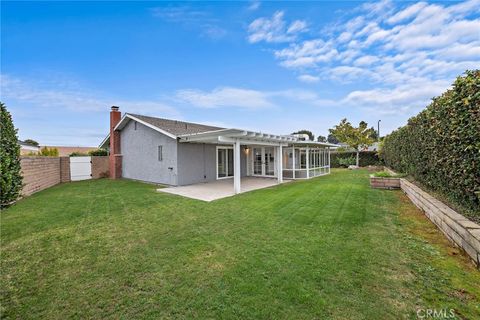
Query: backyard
point(329, 247)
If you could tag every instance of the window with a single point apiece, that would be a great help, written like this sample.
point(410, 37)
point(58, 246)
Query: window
point(303, 159)
point(160, 153)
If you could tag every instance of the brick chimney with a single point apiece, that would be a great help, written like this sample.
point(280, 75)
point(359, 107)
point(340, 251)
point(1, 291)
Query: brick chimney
point(115, 155)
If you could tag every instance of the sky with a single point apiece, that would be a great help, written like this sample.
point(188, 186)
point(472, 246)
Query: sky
point(274, 67)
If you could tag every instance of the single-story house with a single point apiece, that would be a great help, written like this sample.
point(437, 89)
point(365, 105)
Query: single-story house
point(27, 148)
point(181, 153)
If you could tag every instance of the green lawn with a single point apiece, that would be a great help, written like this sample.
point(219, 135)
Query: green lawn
point(330, 247)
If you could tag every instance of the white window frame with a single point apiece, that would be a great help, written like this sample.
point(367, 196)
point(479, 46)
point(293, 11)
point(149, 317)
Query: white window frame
point(226, 164)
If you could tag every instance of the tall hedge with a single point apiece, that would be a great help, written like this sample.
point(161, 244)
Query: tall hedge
point(10, 170)
point(367, 158)
point(440, 147)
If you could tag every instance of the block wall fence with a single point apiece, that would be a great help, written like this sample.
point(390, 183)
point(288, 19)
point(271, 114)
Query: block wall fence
point(40, 173)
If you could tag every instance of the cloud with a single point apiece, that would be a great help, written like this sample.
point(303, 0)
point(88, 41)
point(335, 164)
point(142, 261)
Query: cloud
point(308, 78)
point(307, 54)
point(401, 99)
point(254, 5)
point(225, 97)
point(365, 60)
point(275, 29)
point(181, 14)
point(71, 97)
point(191, 18)
point(214, 32)
point(382, 32)
point(407, 13)
point(401, 55)
point(230, 97)
point(297, 26)
point(387, 46)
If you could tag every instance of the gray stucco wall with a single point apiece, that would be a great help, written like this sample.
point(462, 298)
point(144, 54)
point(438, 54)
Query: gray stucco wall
point(190, 162)
point(196, 163)
point(139, 149)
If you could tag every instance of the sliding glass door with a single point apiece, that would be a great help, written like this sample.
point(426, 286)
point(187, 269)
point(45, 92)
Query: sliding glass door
point(224, 162)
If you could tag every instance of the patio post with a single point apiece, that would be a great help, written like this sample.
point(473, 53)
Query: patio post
point(236, 167)
point(307, 156)
point(279, 164)
point(328, 159)
point(293, 161)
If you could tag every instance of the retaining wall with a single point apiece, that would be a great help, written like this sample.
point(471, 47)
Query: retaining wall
point(384, 183)
point(458, 229)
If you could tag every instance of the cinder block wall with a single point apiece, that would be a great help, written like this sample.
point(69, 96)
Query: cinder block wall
point(100, 167)
point(64, 169)
point(44, 172)
point(39, 173)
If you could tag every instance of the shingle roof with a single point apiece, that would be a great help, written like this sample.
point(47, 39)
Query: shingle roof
point(176, 127)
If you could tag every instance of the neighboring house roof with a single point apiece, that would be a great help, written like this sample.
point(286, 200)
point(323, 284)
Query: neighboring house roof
point(26, 148)
point(27, 145)
point(64, 151)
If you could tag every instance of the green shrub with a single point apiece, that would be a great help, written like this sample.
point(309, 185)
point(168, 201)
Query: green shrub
point(98, 152)
point(440, 147)
point(386, 174)
point(367, 158)
point(48, 152)
point(345, 162)
point(78, 154)
point(10, 169)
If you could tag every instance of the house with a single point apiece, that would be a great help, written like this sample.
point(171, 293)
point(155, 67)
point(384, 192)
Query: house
point(27, 148)
point(179, 153)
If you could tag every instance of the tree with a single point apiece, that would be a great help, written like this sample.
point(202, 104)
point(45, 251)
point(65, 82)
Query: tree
point(98, 152)
point(332, 139)
point(321, 139)
point(356, 138)
point(49, 152)
point(32, 142)
point(311, 136)
point(374, 134)
point(10, 170)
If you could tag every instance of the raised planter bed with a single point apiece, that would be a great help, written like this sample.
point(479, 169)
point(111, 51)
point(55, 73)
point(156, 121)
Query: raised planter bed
point(384, 183)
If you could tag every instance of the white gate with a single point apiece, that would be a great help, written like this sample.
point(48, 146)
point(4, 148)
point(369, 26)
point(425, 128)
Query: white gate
point(80, 168)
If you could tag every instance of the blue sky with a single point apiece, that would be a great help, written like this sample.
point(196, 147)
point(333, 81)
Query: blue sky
point(274, 67)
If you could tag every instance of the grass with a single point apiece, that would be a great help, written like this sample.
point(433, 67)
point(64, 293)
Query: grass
point(386, 174)
point(330, 247)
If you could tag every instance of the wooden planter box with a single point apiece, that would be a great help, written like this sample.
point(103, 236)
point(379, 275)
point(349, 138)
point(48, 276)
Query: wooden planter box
point(384, 183)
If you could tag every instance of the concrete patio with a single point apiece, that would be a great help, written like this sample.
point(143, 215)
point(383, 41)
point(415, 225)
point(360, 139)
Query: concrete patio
point(219, 189)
